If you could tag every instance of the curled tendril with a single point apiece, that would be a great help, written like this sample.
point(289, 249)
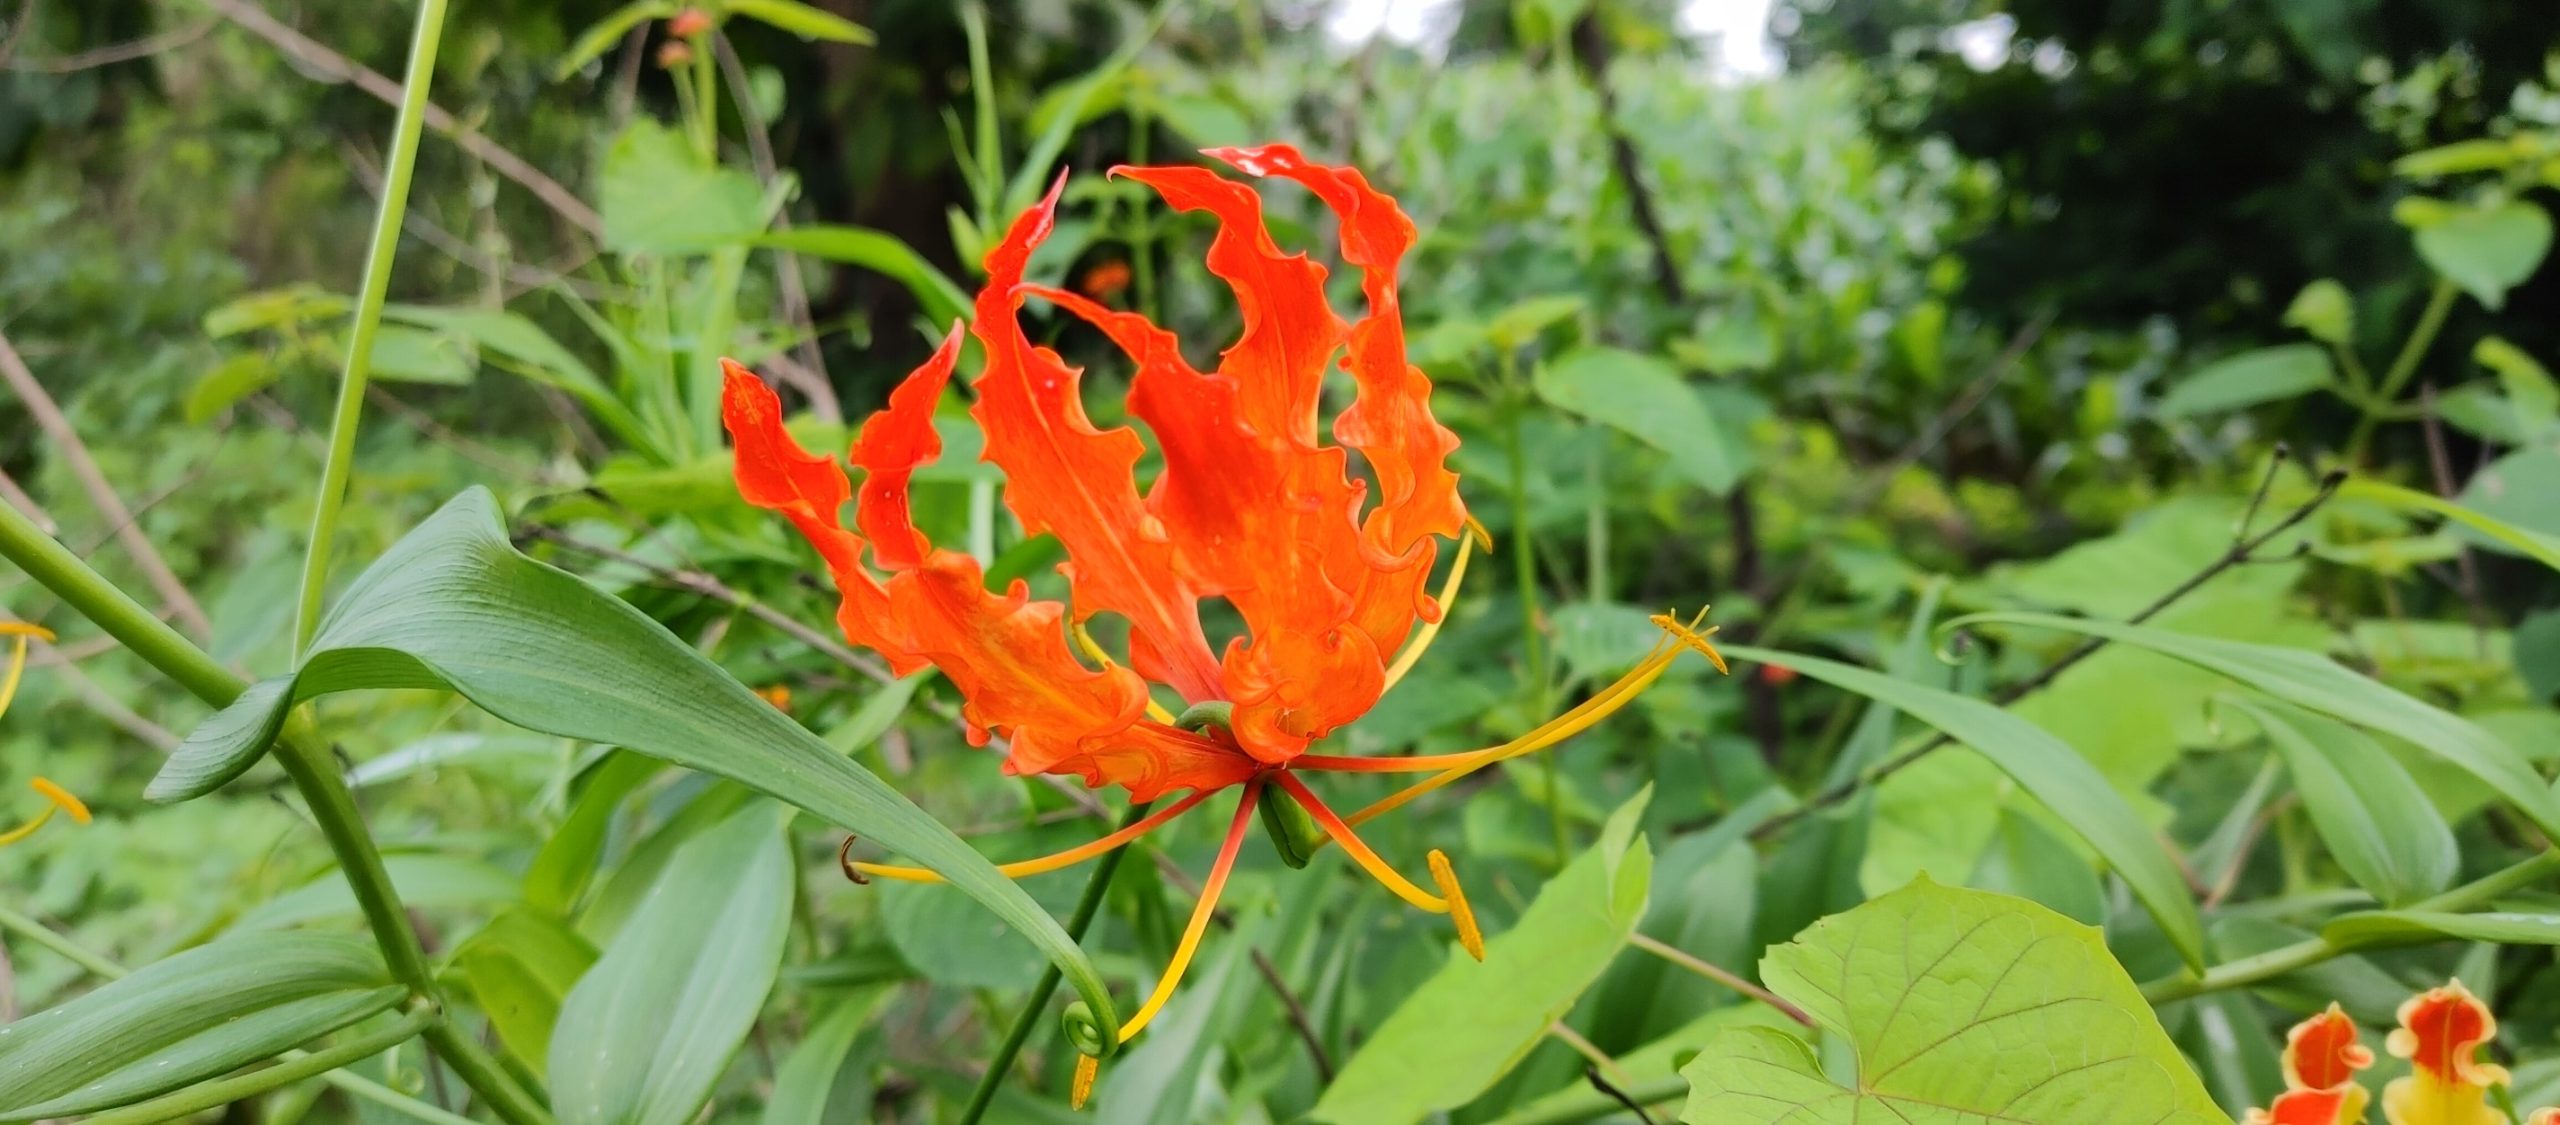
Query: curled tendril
point(1087, 1034)
point(844, 859)
point(1211, 713)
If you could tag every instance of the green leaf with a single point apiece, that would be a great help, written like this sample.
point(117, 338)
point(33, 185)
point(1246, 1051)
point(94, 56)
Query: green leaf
point(230, 381)
point(560, 872)
point(2315, 682)
point(410, 355)
point(537, 356)
point(2376, 928)
point(658, 198)
point(2047, 768)
point(2529, 386)
point(1961, 1007)
point(812, 1086)
point(201, 1013)
point(453, 606)
point(1645, 398)
point(425, 880)
point(2249, 378)
point(880, 253)
point(1519, 325)
point(520, 968)
point(2487, 251)
point(2373, 816)
point(601, 35)
point(646, 1033)
point(2542, 548)
point(2485, 155)
point(1471, 1023)
point(2325, 312)
point(802, 20)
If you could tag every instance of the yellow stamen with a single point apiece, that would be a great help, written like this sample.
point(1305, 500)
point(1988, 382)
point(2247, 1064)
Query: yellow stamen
point(21, 633)
point(1085, 641)
point(1087, 1068)
point(1555, 730)
point(57, 799)
point(1459, 912)
point(1430, 630)
point(1210, 889)
point(1044, 864)
point(1360, 853)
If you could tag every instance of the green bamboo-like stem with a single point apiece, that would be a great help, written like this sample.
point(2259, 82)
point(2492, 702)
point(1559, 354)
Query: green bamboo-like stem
point(306, 760)
point(1036, 1005)
point(225, 1091)
point(355, 1085)
point(397, 167)
point(2312, 951)
point(2404, 365)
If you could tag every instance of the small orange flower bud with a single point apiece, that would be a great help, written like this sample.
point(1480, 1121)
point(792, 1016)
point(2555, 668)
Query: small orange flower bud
point(689, 23)
point(1777, 675)
point(674, 53)
point(1103, 280)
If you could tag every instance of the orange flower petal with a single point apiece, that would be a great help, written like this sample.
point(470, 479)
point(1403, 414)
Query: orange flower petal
point(1006, 654)
point(892, 443)
point(2342, 1106)
point(2321, 1053)
point(2441, 1031)
point(1066, 478)
point(1390, 422)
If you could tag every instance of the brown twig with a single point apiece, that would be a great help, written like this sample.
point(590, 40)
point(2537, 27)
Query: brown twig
point(75, 454)
point(112, 53)
point(1591, 1074)
point(522, 278)
point(113, 710)
point(322, 62)
point(2243, 550)
point(812, 381)
point(1297, 1011)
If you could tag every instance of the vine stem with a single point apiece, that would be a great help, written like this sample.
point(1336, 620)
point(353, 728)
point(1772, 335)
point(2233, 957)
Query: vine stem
point(1088, 905)
point(398, 166)
point(306, 760)
point(2396, 378)
point(2304, 954)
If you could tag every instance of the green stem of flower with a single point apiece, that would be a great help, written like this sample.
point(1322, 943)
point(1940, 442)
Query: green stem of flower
point(306, 760)
point(2312, 951)
point(225, 1091)
point(2404, 365)
point(355, 1085)
point(1036, 1005)
point(397, 167)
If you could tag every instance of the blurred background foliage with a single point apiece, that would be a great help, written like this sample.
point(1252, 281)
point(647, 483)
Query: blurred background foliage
point(1942, 305)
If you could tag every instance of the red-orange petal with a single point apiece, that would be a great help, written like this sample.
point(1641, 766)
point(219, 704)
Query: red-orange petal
point(1151, 759)
point(2322, 1052)
point(1068, 479)
point(1006, 654)
point(2342, 1106)
point(892, 443)
point(2441, 1033)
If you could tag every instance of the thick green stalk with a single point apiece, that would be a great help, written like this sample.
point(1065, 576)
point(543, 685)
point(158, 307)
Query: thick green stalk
point(1036, 1005)
point(2404, 365)
point(2312, 951)
point(195, 1099)
point(397, 166)
point(305, 758)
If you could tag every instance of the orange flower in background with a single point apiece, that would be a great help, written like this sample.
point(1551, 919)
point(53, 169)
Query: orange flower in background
point(2440, 1032)
point(1329, 572)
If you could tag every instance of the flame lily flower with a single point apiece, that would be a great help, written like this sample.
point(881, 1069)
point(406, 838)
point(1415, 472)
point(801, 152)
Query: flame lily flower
point(57, 799)
point(1329, 573)
point(2441, 1032)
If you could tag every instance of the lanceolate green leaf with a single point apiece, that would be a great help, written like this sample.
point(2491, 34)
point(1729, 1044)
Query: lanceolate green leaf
point(882, 253)
point(647, 1032)
point(2375, 819)
point(204, 1012)
point(1645, 398)
point(1963, 1008)
point(2316, 683)
point(2377, 928)
point(801, 20)
point(1471, 1023)
point(2047, 768)
point(454, 606)
point(2533, 544)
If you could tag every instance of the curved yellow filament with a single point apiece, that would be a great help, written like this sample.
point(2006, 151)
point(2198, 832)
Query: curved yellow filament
point(1360, 853)
point(1047, 863)
point(1210, 889)
point(57, 799)
point(1430, 630)
point(20, 633)
point(1085, 641)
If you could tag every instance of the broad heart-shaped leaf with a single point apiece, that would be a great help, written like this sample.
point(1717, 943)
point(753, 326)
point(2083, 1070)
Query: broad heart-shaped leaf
point(453, 606)
point(2317, 683)
point(201, 1013)
point(1471, 1023)
point(646, 1033)
point(1646, 398)
point(1964, 1008)
point(2373, 816)
point(2249, 378)
point(2487, 251)
point(2047, 768)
